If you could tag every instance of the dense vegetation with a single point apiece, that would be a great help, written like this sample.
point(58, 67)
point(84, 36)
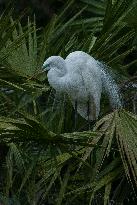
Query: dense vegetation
point(44, 159)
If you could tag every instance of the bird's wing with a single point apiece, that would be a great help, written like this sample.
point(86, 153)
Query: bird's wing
point(85, 83)
point(75, 59)
point(92, 82)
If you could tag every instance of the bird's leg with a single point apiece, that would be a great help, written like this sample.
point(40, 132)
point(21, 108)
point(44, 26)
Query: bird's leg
point(55, 101)
point(65, 110)
point(88, 113)
point(75, 117)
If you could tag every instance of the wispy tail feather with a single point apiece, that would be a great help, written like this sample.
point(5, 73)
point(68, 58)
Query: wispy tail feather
point(111, 88)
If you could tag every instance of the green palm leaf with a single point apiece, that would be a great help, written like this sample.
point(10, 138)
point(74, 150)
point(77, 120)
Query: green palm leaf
point(122, 126)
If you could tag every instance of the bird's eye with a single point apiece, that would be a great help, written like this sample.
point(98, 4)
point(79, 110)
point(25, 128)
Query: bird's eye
point(47, 65)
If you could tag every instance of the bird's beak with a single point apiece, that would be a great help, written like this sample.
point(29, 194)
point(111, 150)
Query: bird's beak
point(45, 68)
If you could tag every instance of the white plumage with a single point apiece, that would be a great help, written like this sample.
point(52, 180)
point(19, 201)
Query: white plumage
point(82, 78)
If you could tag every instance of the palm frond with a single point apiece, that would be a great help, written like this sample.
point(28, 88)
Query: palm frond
point(121, 125)
point(32, 130)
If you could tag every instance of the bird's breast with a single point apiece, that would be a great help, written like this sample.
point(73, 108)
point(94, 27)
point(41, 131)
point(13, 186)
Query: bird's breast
point(57, 81)
point(75, 87)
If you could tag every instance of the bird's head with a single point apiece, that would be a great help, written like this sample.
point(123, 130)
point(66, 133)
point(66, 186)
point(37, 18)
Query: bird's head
point(55, 64)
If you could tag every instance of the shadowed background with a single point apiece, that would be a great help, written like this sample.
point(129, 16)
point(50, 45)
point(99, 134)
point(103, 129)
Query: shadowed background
point(43, 9)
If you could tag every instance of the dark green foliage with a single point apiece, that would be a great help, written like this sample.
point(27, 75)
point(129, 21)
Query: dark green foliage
point(45, 159)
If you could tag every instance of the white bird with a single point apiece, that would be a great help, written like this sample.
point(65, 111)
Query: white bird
point(82, 78)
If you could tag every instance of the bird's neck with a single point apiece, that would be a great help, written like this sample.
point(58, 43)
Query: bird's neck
point(61, 69)
point(56, 78)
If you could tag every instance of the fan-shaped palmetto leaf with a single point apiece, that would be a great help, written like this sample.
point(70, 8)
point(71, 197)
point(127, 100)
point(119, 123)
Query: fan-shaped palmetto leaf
point(115, 33)
point(31, 129)
point(122, 126)
point(5, 28)
point(23, 60)
point(119, 127)
point(119, 136)
point(19, 62)
point(109, 174)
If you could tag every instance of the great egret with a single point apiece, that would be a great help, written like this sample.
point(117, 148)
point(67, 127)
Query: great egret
point(82, 78)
